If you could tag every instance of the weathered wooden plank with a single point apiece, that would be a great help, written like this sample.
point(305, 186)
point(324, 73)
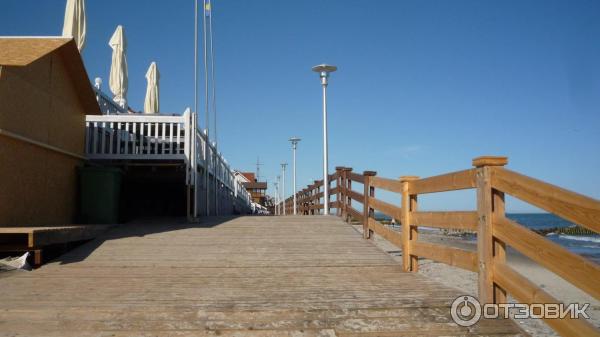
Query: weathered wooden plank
point(569, 205)
point(387, 184)
point(449, 255)
point(449, 220)
point(355, 214)
point(226, 277)
point(577, 270)
point(447, 182)
point(359, 197)
point(386, 233)
point(527, 292)
point(356, 177)
point(386, 208)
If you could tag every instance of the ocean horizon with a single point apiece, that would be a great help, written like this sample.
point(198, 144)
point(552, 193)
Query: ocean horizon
point(585, 245)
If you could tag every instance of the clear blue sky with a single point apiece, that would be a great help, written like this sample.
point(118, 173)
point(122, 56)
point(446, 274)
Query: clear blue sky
point(422, 87)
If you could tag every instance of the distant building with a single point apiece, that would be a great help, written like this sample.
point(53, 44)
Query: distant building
point(45, 94)
point(257, 190)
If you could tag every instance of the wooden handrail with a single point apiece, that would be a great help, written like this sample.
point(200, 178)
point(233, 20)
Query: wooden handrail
point(391, 235)
point(386, 208)
point(571, 206)
point(452, 256)
point(577, 270)
point(527, 292)
point(356, 177)
point(494, 230)
point(447, 220)
point(446, 182)
point(387, 184)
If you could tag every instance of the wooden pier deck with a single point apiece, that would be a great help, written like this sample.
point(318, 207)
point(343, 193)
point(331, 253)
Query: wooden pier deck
point(245, 276)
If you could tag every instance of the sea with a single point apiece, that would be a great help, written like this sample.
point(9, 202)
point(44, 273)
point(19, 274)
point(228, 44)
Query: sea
point(585, 245)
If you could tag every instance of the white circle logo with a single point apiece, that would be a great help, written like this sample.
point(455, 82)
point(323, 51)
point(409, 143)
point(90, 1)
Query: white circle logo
point(465, 310)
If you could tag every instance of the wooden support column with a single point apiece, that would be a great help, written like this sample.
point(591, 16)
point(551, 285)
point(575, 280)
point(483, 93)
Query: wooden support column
point(338, 182)
point(486, 248)
point(348, 187)
point(410, 234)
point(367, 211)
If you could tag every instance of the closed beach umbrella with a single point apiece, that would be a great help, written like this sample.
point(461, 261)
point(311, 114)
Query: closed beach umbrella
point(151, 103)
point(75, 25)
point(118, 68)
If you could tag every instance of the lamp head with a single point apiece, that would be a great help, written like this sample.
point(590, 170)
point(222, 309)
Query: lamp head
point(324, 70)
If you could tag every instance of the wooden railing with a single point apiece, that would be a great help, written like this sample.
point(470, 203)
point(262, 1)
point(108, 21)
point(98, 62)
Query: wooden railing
point(494, 230)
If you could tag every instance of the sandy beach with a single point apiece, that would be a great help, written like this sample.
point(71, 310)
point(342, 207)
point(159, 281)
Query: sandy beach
point(466, 281)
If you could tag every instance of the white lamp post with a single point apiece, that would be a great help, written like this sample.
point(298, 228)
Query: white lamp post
point(324, 70)
point(294, 141)
point(283, 166)
point(277, 196)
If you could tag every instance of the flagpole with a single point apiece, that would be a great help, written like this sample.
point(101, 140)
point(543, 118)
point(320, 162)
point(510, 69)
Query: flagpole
point(214, 104)
point(207, 120)
point(195, 100)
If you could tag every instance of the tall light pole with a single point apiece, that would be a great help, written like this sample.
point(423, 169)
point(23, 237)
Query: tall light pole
point(277, 196)
point(283, 166)
point(294, 141)
point(324, 70)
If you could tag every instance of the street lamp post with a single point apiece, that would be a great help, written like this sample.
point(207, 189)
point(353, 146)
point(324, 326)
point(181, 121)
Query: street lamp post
point(294, 141)
point(283, 166)
point(324, 70)
point(277, 196)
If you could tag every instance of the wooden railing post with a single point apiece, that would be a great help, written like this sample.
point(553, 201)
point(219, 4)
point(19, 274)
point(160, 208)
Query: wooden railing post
point(367, 211)
point(316, 200)
point(338, 182)
point(348, 171)
point(486, 209)
point(410, 234)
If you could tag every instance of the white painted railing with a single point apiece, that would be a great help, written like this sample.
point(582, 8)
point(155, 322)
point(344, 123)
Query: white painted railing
point(107, 105)
point(136, 137)
point(156, 138)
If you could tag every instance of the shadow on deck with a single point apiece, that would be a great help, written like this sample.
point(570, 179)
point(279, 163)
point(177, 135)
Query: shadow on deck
point(244, 276)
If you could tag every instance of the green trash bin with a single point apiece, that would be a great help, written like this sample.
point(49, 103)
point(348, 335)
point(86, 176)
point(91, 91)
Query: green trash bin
point(100, 189)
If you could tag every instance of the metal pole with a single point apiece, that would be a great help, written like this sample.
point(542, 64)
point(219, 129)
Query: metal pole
point(325, 151)
point(283, 188)
point(193, 173)
point(207, 123)
point(294, 178)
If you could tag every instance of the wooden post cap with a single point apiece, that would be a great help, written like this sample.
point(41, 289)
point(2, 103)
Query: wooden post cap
point(369, 173)
point(490, 161)
point(408, 178)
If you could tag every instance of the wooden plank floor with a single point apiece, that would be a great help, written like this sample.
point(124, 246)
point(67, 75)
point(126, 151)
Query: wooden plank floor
point(246, 276)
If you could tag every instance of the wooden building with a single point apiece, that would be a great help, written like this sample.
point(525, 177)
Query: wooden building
point(257, 189)
point(45, 94)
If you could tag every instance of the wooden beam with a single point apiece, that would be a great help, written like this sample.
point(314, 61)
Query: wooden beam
point(527, 292)
point(580, 272)
point(409, 233)
point(485, 238)
point(356, 196)
point(386, 208)
point(569, 205)
point(449, 255)
point(387, 184)
point(390, 235)
point(367, 210)
point(448, 220)
point(447, 182)
point(356, 177)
